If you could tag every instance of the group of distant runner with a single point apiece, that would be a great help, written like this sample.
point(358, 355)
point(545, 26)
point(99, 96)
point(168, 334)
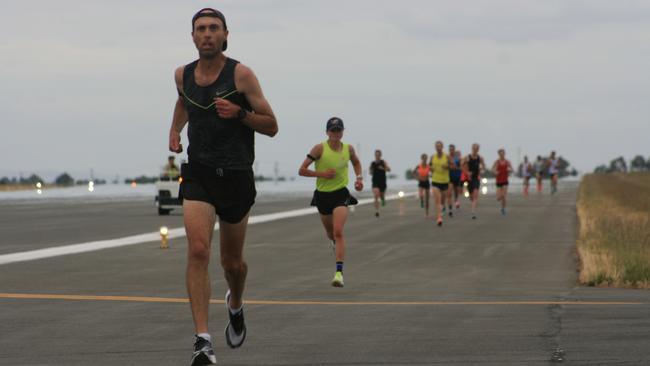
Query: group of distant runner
point(450, 173)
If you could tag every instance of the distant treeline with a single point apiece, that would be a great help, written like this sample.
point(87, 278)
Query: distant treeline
point(145, 179)
point(636, 164)
point(66, 180)
point(62, 180)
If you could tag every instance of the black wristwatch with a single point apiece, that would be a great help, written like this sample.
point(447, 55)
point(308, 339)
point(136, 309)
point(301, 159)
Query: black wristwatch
point(242, 113)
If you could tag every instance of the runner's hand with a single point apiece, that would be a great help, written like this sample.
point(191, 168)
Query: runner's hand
point(175, 142)
point(226, 109)
point(358, 185)
point(329, 174)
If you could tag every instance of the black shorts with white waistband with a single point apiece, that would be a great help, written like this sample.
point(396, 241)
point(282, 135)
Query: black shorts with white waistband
point(231, 192)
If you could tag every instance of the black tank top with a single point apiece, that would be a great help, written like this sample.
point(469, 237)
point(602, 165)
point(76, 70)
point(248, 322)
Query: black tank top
point(474, 166)
point(214, 141)
point(378, 175)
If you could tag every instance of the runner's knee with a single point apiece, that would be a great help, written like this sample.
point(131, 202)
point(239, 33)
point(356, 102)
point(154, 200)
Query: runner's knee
point(233, 265)
point(199, 251)
point(337, 233)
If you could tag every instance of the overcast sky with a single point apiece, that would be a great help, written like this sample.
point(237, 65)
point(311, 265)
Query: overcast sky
point(89, 84)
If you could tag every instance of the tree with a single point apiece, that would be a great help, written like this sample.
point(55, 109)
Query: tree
point(64, 180)
point(618, 165)
point(33, 179)
point(602, 168)
point(638, 164)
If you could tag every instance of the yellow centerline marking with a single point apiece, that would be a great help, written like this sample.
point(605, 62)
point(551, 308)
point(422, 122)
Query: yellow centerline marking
point(305, 302)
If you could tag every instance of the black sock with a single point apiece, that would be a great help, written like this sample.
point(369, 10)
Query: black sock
point(339, 266)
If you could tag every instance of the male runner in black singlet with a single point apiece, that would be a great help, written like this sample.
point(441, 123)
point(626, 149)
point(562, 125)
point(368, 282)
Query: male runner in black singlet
point(378, 169)
point(474, 166)
point(224, 105)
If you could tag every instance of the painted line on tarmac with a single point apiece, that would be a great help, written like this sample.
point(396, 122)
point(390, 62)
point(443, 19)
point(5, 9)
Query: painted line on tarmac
point(302, 302)
point(154, 236)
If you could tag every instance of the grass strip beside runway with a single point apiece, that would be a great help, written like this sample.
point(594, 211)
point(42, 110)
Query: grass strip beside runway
point(614, 238)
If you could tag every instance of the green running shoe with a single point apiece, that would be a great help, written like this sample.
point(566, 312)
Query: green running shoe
point(337, 281)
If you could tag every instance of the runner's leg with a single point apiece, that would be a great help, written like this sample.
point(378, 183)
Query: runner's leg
point(199, 218)
point(232, 259)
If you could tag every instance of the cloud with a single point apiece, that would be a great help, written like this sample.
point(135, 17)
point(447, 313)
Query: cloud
point(90, 84)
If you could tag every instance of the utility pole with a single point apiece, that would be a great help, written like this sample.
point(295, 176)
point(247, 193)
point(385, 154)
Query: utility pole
point(275, 171)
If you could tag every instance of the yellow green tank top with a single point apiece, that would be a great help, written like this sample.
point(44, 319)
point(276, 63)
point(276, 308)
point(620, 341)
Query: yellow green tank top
point(440, 168)
point(331, 159)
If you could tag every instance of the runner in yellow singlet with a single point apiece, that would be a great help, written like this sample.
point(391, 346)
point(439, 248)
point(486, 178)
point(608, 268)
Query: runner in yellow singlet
point(332, 197)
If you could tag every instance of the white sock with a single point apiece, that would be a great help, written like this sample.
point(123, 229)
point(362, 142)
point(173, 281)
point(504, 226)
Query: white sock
point(205, 336)
point(235, 311)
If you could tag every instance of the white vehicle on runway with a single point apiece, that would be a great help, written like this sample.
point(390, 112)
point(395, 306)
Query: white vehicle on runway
point(167, 194)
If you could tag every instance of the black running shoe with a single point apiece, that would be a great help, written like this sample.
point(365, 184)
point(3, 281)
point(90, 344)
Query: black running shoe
point(203, 353)
point(376, 214)
point(236, 328)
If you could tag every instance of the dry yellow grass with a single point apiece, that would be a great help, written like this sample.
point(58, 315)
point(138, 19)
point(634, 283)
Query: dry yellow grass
point(22, 187)
point(614, 236)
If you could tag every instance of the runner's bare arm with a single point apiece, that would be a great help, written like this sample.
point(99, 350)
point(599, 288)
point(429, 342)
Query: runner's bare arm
point(262, 120)
point(179, 118)
point(358, 171)
point(314, 155)
point(356, 163)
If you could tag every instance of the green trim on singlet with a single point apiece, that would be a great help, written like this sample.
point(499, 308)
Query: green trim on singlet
point(211, 104)
point(331, 159)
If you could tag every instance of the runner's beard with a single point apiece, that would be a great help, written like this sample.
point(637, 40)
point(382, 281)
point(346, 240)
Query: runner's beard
point(208, 55)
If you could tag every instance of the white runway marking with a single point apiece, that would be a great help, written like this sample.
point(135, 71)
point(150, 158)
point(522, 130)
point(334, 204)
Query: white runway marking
point(151, 237)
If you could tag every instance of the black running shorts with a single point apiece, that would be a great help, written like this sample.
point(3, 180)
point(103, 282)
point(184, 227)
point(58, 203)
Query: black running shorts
point(424, 184)
point(473, 185)
point(381, 187)
point(231, 192)
point(455, 180)
point(441, 186)
point(502, 184)
point(326, 202)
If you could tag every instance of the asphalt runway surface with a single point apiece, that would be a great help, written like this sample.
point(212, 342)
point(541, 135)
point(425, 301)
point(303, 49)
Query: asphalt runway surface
point(499, 290)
